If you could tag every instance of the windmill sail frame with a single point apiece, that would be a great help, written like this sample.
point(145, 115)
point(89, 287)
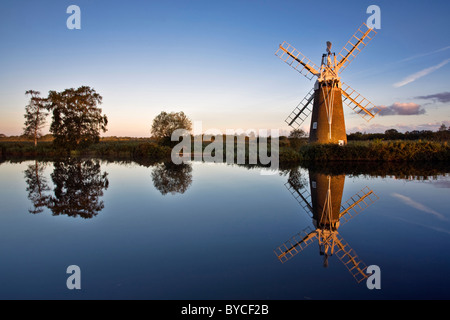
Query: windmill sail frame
point(353, 47)
point(302, 111)
point(297, 60)
point(355, 101)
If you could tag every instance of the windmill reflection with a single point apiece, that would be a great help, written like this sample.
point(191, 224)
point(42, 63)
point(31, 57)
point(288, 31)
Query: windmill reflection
point(323, 205)
point(78, 187)
point(171, 178)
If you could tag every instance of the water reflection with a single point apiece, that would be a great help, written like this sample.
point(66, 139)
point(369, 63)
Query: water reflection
point(171, 178)
point(37, 186)
point(324, 205)
point(78, 188)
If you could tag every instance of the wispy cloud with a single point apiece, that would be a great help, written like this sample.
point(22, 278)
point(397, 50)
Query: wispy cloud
point(391, 65)
point(440, 97)
point(420, 224)
point(416, 205)
point(420, 74)
point(424, 54)
point(402, 109)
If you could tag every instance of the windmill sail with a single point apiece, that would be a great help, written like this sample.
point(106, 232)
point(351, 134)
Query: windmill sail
point(356, 204)
point(354, 46)
point(296, 244)
point(366, 109)
point(300, 193)
point(297, 60)
point(350, 259)
point(302, 111)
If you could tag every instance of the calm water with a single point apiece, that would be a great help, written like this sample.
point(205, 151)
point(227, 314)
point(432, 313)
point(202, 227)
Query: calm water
point(212, 231)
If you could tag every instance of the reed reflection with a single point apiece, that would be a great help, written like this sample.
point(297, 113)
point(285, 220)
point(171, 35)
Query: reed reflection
point(78, 188)
point(323, 205)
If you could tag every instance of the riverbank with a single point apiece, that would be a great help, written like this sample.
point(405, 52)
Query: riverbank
point(405, 151)
point(107, 149)
point(379, 151)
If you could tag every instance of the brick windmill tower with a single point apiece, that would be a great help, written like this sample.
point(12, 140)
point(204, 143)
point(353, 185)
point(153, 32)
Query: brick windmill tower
point(325, 99)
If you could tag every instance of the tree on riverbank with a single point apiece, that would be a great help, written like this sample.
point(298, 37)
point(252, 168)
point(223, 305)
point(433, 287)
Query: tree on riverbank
point(77, 120)
point(35, 115)
point(297, 138)
point(165, 124)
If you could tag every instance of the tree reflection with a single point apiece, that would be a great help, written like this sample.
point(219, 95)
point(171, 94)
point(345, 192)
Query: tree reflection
point(37, 186)
point(78, 187)
point(296, 179)
point(171, 178)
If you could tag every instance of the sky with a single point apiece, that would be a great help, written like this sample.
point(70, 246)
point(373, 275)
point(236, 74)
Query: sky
point(215, 61)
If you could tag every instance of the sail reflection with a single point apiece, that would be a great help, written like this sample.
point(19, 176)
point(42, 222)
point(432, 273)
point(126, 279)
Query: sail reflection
point(78, 188)
point(324, 205)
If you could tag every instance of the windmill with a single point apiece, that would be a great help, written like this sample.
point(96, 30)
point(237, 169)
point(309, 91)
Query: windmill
point(323, 205)
point(325, 99)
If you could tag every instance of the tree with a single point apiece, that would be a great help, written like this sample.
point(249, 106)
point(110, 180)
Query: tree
point(391, 132)
point(166, 123)
point(297, 138)
point(76, 121)
point(297, 134)
point(35, 115)
point(442, 128)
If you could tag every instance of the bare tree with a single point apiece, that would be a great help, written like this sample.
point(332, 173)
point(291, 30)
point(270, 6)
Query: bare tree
point(35, 115)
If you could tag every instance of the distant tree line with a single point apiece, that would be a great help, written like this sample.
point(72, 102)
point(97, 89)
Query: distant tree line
point(442, 134)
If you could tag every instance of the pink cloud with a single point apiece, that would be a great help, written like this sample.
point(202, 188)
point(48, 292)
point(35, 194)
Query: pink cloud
point(403, 109)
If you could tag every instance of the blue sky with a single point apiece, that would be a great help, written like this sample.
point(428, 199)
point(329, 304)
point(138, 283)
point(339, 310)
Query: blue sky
point(215, 60)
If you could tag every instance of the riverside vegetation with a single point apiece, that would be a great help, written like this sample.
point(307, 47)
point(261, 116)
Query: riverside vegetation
point(77, 121)
point(292, 150)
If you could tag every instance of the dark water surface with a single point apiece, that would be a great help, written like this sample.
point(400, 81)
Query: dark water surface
point(215, 231)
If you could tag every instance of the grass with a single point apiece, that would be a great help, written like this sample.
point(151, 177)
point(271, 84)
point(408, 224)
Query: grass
point(381, 151)
point(410, 151)
point(108, 149)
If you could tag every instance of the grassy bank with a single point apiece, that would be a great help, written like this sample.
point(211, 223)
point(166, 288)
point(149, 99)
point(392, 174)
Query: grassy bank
point(409, 151)
point(381, 151)
point(106, 149)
